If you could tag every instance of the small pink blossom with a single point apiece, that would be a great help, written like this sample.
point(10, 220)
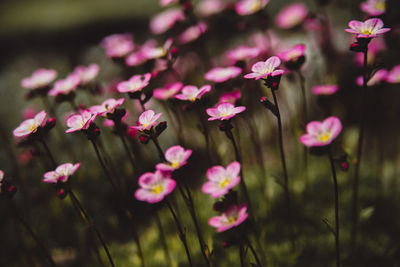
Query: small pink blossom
point(169, 91)
point(220, 75)
point(134, 84)
point(30, 126)
point(87, 74)
point(321, 133)
point(40, 78)
point(210, 7)
point(147, 120)
point(150, 51)
point(293, 53)
point(224, 111)
point(108, 106)
point(80, 121)
point(154, 187)
point(176, 157)
point(232, 217)
point(374, 47)
point(164, 21)
point(394, 75)
point(325, 89)
point(291, 16)
point(192, 33)
point(248, 7)
point(1, 176)
point(118, 45)
point(263, 69)
point(242, 53)
point(378, 77)
point(230, 97)
point(29, 113)
point(167, 2)
point(192, 93)
point(61, 173)
point(135, 59)
point(221, 180)
point(66, 86)
point(367, 29)
point(374, 7)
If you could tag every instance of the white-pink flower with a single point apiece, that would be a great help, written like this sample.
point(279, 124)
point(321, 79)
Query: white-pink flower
point(164, 21)
point(134, 84)
point(135, 59)
point(154, 187)
point(30, 126)
point(192, 93)
point(169, 91)
point(232, 217)
point(66, 86)
point(221, 180)
point(40, 78)
point(263, 69)
point(61, 173)
point(118, 45)
point(80, 121)
point(147, 120)
point(321, 133)
point(192, 33)
point(248, 7)
point(326, 89)
point(293, 53)
point(242, 53)
point(367, 29)
point(167, 2)
point(150, 51)
point(224, 111)
point(230, 97)
point(108, 106)
point(176, 157)
point(394, 75)
point(210, 7)
point(291, 16)
point(220, 75)
point(87, 74)
point(374, 7)
point(378, 77)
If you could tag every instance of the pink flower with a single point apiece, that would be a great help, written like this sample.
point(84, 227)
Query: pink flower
point(164, 21)
point(292, 54)
point(262, 69)
point(134, 84)
point(150, 51)
point(154, 187)
point(135, 59)
point(324, 89)
point(169, 91)
point(394, 75)
point(66, 86)
point(321, 133)
point(118, 45)
point(87, 74)
point(167, 2)
point(232, 217)
point(230, 97)
point(210, 7)
point(147, 120)
point(192, 33)
point(40, 78)
point(30, 126)
point(221, 180)
point(378, 77)
point(108, 106)
point(248, 7)
point(220, 75)
point(81, 121)
point(243, 53)
point(191, 92)
point(61, 173)
point(224, 111)
point(367, 29)
point(291, 16)
point(374, 7)
point(1, 176)
point(176, 157)
point(374, 47)
point(29, 113)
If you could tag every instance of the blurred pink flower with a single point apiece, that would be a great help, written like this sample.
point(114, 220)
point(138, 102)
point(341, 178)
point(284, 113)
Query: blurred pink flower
point(191, 92)
point(87, 74)
point(221, 180)
point(118, 45)
point(82, 121)
point(40, 78)
point(230, 97)
point(165, 20)
point(321, 133)
point(192, 33)
point(134, 84)
point(291, 16)
point(151, 51)
point(243, 53)
point(325, 89)
point(224, 111)
point(147, 120)
point(61, 173)
point(263, 69)
point(135, 59)
point(154, 187)
point(66, 86)
point(374, 47)
point(374, 7)
point(1, 175)
point(292, 54)
point(176, 157)
point(108, 106)
point(232, 217)
point(394, 75)
point(29, 113)
point(30, 126)
point(220, 75)
point(378, 77)
point(167, 2)
point(210, 7)
point(367, 29)
point(169, 91)
point(248, 7)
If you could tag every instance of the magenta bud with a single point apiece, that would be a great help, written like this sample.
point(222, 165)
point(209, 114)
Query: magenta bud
point(50, 123)
point(61, 193)
point(344, 166)
point(144, 139)
point(174, 51)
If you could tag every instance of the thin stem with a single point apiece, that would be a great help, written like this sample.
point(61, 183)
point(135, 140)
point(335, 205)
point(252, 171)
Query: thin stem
point(205, 132)
point(253, 251)
point(53, 162)
point(336, 192)
point(163, 239)
point(142, 104)
point(159, 149)
point(241, 254)
point(127, 150)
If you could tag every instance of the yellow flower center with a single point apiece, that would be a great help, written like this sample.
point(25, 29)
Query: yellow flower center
point(231, 219)
point(192, 98)
point(381, 6)
point(157, 189)
point(324, 137)
point(33, 128)
point(255, 6)
point(175, 164)
point(224, 183)
point(366, 31)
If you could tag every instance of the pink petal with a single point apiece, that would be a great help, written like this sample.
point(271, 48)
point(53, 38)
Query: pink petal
point(355, 25)
point(233, 169)
point(215, 173)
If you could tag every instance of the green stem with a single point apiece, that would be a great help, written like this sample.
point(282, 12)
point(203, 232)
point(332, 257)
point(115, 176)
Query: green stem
point(336, 193)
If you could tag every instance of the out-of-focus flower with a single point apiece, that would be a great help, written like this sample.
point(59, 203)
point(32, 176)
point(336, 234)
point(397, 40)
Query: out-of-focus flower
point(176, 157)
point(321, 133)
point(374, 7)
point(293, 54)
point(29, 113)
point(374, 47)
point(30, 126)
point(367, 29)
point(325, 89)
point(224, 111)
point(80, 121)
point(394, 75)
point(118, 45)
point(220, 75)
point(232, 217)
point(263, 69)
point(152, 51)
point(230, 97)
point(66, 86)
point(108, 106)
point(135, 59)
point(192, 33)
point(154, 187)
point(167, 2)
point(134, 84)
point(221, 180)
point(147, 120)
point(1, 175)
point(378, 77)
point(87, 74)
point(248, 7)
point(210, 7)
point(242, 53)
point(291, 16)
point(169, 91)
point(61, 173)
point(191, 92)
point(40, 78)
point(165, 20)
